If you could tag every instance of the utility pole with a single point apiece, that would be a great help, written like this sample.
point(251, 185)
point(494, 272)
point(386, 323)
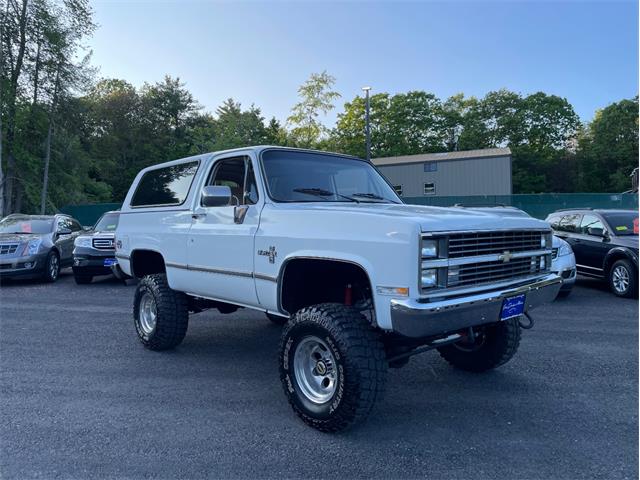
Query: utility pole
point(367, 125)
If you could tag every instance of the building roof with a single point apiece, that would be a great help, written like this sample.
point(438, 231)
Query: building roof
point(444, 156)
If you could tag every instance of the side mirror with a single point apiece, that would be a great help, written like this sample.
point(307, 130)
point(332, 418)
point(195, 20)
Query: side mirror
point(215, 196)
point(597, 232)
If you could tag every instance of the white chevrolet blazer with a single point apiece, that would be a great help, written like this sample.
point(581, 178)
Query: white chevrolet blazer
point(322, 244)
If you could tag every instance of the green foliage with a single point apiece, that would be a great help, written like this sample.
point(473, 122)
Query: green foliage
point(316, 98)
point(103, 132)
point(608, 148)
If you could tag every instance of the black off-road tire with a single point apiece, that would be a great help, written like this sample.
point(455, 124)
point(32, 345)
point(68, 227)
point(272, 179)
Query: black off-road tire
point(497, 344)
point(48, 275)
point(360, 368)
point(83, 279)
point(172, 313)
point(277, 319)
point(632, 289)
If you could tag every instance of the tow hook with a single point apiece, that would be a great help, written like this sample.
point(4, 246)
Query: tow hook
point(526, 326)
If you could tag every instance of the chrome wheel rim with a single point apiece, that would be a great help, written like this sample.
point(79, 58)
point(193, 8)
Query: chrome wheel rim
point(620, 279)
point(53, 267)
point(147, 313)
point(315, 370)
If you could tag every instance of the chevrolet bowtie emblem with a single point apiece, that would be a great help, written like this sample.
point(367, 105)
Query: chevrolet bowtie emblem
point(506, 256)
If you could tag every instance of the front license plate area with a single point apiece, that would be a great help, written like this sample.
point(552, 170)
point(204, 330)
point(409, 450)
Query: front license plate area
point(109, 261)
point(513, 307)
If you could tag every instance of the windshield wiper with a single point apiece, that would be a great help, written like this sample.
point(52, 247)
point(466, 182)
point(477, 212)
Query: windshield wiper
point(321, 192)
point(372, 196)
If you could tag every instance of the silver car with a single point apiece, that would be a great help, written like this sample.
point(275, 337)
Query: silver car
point(36, 246)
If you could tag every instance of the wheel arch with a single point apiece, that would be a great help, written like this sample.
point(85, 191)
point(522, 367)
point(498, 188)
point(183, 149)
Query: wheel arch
point(325, 265)
point(615, 254)
point(146, 261)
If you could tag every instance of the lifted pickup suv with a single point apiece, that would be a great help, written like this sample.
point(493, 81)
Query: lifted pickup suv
point(321, 242)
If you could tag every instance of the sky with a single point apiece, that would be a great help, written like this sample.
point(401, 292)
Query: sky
point(260, 52)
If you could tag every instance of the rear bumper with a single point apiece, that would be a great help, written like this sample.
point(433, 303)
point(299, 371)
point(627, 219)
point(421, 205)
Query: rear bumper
point(413, 318)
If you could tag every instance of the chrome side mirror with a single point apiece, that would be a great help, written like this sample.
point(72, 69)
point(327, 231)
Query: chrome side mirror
point(215, 196)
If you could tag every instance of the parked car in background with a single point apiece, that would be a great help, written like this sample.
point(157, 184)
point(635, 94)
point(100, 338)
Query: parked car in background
point(563, 261)
point(36, 245)
point(605, 244)
point(94, 251)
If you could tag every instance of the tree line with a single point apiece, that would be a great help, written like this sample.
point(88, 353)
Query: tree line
point(82, 139)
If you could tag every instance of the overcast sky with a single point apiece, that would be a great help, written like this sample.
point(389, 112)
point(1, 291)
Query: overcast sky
point(261, 52)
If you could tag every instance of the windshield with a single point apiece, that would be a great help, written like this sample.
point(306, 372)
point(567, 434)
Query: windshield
point(107, 223)
point(26, 225)
point(623, 223)
point(315, 177)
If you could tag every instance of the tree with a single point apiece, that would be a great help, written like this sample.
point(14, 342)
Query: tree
point(608, 148)
point(237, 128)
point(40, 41)
point(316, 98)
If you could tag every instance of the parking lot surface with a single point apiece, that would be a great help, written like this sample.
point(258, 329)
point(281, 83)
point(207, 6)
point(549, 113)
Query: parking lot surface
point(81, 397)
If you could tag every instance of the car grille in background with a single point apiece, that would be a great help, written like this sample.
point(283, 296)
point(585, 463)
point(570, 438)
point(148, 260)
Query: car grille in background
point(8, 249)
point(554, 253)
point(484, 272)
point(103, 243)
point(487, 243)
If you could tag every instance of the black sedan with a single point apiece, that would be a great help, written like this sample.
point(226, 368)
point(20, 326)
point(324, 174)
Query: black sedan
point(36, 246)
point(605, 243)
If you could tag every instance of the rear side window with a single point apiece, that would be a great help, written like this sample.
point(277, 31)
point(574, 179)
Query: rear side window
point(165, 186)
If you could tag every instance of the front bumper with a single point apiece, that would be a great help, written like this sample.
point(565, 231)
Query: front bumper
point(27, 266)
point(565, 267)
point(413, 318)
point(93, 264)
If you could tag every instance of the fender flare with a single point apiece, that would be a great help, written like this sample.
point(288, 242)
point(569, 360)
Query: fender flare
point(287, 260)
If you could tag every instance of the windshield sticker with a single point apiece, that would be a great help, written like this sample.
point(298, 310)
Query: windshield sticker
point(621, 228)
point(25, 227)
point(635, 225)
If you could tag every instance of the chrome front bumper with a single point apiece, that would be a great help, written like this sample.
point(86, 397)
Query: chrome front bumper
point(415, 318)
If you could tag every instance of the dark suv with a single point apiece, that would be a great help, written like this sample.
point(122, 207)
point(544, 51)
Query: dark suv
point(605, 243)
point(94, 251)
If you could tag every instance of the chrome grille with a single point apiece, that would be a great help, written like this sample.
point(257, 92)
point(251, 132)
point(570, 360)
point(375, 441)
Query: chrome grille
point(8, 248)
point(554, 253)
point(487, 243)
point(479, 259)
point(103, 243)
point(495, 271)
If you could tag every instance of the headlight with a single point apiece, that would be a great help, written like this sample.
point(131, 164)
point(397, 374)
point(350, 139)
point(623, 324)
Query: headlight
point(82, 242)
point(32, 247)
point(429, 278)
point(564, 249)
point(429, 248)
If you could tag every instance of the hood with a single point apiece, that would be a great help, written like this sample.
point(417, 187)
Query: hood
point(98, 233)
point(20, 237)
point(430, 219)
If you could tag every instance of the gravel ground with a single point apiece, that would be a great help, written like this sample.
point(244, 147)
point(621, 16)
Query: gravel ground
point(81, 398)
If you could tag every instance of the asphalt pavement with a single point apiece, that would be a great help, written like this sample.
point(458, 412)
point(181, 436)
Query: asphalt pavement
point(80, 397)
